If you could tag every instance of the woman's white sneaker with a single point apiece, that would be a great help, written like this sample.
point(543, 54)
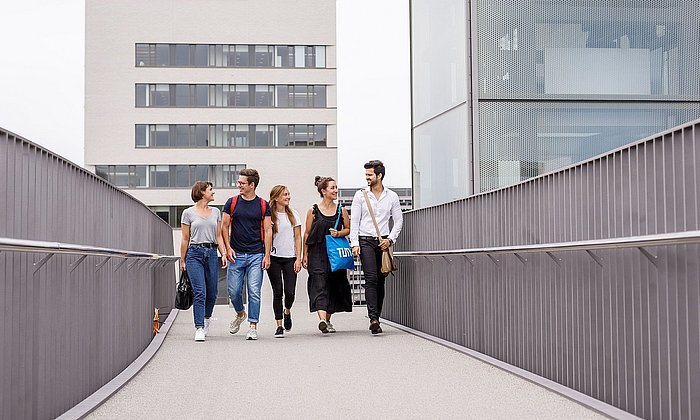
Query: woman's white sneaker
point(207, 323)
point(199, 335)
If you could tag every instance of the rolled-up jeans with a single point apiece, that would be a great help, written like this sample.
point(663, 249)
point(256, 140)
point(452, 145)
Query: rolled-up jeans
point(246, 267)
point(203, 269)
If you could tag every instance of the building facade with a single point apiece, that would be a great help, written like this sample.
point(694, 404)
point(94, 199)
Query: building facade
point(505, 91)
point(179, 90)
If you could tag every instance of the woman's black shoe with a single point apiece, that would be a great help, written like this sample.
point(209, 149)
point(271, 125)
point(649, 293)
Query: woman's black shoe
point(279, 333)
point(287, 322)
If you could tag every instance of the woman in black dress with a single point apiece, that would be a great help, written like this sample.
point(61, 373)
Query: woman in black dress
point(329, 291)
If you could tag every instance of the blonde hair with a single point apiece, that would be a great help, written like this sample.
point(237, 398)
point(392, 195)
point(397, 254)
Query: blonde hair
point(275, 193)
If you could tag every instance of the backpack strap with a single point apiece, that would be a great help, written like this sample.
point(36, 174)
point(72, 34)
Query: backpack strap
point(234, 201)
point(263, 207)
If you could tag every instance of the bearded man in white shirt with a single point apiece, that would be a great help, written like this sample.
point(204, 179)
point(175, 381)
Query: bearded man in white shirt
point(363, 235)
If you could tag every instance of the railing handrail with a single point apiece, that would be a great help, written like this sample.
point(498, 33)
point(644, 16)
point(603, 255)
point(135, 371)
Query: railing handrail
point(25, 245)
point(676, 238)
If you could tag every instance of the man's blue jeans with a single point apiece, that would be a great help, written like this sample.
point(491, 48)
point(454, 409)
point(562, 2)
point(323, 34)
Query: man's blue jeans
point(248, 267)
point(203, 269)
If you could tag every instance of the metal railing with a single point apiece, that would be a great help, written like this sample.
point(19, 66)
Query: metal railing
point(609, 306)
point(79, 314)
point(639, 242)
point(52, 248)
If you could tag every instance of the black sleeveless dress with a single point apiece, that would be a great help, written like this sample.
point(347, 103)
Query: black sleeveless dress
point(328, 290)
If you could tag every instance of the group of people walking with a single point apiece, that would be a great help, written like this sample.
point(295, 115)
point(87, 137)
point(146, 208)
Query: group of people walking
point(252, 235)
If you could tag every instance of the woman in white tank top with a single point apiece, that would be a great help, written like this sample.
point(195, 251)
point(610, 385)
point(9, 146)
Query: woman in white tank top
point(285, 256)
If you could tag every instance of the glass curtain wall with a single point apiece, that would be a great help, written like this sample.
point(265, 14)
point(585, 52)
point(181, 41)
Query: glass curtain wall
point(554, 83)
point(441, 140)
point(560, 82)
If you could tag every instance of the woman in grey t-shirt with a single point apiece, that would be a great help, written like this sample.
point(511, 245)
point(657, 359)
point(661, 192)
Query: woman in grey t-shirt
point(201, 237)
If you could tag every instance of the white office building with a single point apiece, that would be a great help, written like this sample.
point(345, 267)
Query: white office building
point(179, 91)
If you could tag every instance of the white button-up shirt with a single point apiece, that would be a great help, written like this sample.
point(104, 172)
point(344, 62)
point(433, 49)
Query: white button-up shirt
point(386, 207)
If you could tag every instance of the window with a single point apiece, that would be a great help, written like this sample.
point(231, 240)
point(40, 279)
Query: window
point(182, 135)
point(264, 96)
point(201, 135)
point(201, 55)
point(125, 176)
point(159, 176)
point(241, 56)
point(320, 57)
point(282, 96)
point(230, 96)
point(264, 135)
point(160, 135)
point(182, 55)
point(162, 55)
point(182, 95)
point(284, 56)
point(225, 55)
point(168, 176)
point(142, 95)
point(309, 57)
point(241, 136)
point(226, 176)
point(300, 96)
point(263, 56)
point(160, 95)
point(228, 135)
point(141, 135)
point(240, 96)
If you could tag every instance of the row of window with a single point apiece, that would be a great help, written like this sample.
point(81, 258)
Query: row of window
point(230, 135)
point(225, 55)
point(225, 96)
point(169, 176)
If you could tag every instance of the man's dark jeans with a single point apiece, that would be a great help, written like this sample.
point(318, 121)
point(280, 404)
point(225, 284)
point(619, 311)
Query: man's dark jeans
point(371, 258)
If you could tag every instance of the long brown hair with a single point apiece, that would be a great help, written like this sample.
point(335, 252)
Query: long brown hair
point(275, 193)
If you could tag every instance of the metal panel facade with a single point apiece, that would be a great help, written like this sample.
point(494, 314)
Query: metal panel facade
point(622, 327)
point(69, 330)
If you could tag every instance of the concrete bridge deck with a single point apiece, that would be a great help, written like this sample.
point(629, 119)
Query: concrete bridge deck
point(350, 375)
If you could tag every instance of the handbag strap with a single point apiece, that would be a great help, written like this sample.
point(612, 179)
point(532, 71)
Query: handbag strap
point(338, 220)
point(371, 213)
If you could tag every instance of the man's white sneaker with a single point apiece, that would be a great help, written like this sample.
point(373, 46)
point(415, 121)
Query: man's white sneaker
point(207, 323)
point(252, 334)
point(199, 335)
point(236, 323)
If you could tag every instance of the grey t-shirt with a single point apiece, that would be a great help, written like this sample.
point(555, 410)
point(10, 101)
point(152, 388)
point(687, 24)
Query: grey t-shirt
point(202, 230)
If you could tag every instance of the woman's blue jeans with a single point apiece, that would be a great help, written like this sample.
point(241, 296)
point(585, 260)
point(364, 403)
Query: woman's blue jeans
point(203, 269)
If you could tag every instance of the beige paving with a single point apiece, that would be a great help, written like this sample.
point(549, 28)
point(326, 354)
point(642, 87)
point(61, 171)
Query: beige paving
point(307, 375)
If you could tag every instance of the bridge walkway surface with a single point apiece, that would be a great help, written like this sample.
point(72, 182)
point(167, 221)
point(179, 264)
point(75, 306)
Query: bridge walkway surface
point(350, 374)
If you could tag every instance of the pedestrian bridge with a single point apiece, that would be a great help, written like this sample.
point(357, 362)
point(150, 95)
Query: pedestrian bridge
point(575, 294)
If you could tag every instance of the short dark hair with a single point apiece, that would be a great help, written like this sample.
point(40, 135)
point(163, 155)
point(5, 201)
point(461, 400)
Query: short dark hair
point(321, 183)
point(378, 167)
point(252, 176)
point(199, 188)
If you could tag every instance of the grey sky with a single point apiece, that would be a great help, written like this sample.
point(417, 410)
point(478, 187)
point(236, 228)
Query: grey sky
point(42, 84)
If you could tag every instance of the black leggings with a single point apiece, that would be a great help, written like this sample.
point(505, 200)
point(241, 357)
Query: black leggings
point(282, 267)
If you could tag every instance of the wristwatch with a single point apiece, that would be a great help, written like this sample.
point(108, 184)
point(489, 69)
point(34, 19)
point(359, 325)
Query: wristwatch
point(391, 241)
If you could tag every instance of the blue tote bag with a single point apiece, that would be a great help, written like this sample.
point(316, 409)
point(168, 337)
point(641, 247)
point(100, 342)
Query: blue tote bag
point(338, 249)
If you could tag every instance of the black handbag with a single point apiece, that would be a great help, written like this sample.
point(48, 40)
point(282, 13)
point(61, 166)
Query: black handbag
point(183, 293)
